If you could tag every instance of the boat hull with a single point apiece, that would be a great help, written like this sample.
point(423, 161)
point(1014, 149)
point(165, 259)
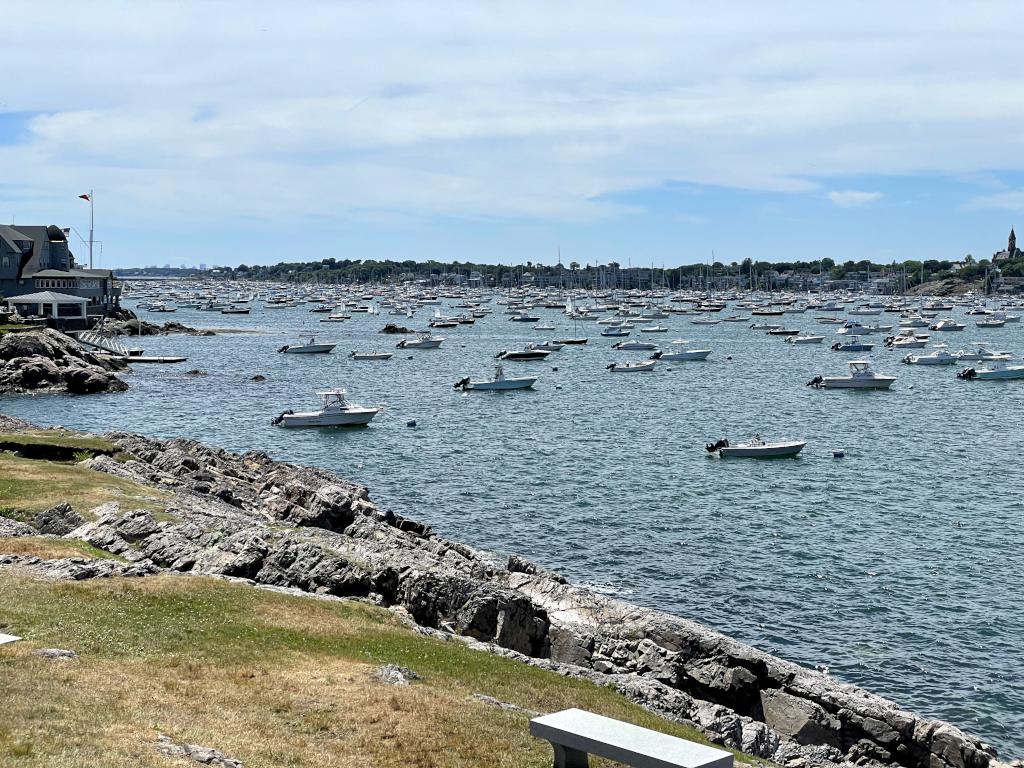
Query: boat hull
point(352, 418)
point(776, 451)
point(524, 382)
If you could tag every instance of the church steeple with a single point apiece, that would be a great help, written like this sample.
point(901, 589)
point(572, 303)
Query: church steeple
point(1011, 246)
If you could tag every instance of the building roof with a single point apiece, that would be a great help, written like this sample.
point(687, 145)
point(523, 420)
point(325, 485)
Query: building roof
point(46, 297)
point(68, 273)
point(10, 234)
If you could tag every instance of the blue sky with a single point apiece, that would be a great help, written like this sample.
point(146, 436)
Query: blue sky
point(253, 131)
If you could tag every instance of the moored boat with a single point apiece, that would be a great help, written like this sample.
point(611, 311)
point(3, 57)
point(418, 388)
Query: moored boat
point(756, 448)
point(336, 411)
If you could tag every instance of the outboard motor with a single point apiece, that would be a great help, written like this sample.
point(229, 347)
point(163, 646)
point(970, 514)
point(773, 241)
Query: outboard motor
point(815, 382)
point(836, 346)
point(461, 383)
point(656, 356)
point(610, 367)
point(967, 373)
point(283, 349)
point(400, 345)
point(712, 447)
point(278, 419)
point(499, 355)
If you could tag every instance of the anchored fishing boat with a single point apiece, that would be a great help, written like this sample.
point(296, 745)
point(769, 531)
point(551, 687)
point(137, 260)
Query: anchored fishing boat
point(336, 411)
point(756, 448)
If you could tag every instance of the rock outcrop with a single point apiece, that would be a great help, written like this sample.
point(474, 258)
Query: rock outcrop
point(137, 327)
point(45, 359)
point(288, 526)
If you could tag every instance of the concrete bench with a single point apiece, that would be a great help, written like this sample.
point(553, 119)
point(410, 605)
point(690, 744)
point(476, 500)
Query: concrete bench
point(575, 733)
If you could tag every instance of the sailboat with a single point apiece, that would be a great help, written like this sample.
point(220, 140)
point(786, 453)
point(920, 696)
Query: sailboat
point(570, 310)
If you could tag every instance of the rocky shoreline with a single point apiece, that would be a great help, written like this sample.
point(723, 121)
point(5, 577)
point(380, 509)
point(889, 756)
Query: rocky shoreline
point(47, 360)
point(281, 525)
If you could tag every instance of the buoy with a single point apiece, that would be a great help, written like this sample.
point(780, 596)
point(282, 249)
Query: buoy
point(411, 423)
point(554, 368)
point(838, 453)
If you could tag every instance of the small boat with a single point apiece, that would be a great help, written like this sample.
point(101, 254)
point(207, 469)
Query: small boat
point(335, 317)
point(615, 331)
point(756, 448)
point(336, 412)
point(861, 377)
point(982, 352)
point(634, 346)
point(523, 354)
point(500, 382)
point(735, 319)
point(571, 341)
point(947, 325)
point(939, 356)
point(235, 311)
point(784, 332)
point(644, 366)
point(681, 354)
point(524, 318)
point(309, 348)
point(550, 346)
point(540, 327)
point(853, 345)
point(655, 329)
point(804, 339)
point(990, 322)
point(705, 321)
point(422, 341)
point(998, 369)
point(355, 355)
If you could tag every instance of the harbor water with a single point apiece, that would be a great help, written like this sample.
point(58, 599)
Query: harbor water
point(899, 567)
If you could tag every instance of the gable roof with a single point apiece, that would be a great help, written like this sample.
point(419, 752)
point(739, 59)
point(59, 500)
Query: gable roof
point(46, 297)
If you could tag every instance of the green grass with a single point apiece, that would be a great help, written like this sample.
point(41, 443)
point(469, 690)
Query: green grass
point(273, 680)
point(30, 486)
point(57, 437)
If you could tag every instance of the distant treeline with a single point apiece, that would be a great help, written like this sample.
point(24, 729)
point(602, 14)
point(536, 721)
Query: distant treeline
point(763, 274)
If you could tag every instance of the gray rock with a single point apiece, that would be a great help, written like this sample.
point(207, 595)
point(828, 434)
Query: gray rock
point(58, 520)
point(56, 653)
point(493, 702)
point(392, 674)
point(196, 753)
point(800, 719)
point(10, 527)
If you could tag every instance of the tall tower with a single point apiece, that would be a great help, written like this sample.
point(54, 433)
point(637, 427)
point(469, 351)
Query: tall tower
point(1011, 246)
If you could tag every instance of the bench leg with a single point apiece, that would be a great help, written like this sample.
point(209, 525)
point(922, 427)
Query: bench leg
point(569, 758)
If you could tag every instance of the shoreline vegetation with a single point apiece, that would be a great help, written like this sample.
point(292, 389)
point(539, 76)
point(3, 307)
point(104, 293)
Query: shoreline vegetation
point(143, 556)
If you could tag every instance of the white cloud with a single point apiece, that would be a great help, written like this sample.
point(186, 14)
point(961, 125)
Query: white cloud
point(1007, 201)
point(852, 198)
point(240, 109)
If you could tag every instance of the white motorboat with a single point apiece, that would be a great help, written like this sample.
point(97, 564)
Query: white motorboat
point(615, 330)
point(500, 382)
point(422, 341)
point(655, 329)
point(938, 356)
point(680, 354)
point(540, 327)
point(337, 411)
point(907, 342)
point(860, 377)
point(309, 348)
point(529, 353)
point(990, 322)
point(355, 355)
point(804, 339)
point(644, 366)
point(635, 346)
point(982, 352)
point(549, 346)
point(913, 321)
point(705, 320)
point(997, 369)
point(947, 325)
point(756, 448)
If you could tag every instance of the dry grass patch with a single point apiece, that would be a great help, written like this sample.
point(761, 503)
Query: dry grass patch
point(29, 486)
point(51, 549)
point(270, 679)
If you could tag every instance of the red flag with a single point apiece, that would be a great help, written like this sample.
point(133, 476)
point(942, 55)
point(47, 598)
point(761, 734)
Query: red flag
point(84, 197)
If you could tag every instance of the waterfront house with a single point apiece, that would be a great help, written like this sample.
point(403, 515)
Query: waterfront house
point(38, 258)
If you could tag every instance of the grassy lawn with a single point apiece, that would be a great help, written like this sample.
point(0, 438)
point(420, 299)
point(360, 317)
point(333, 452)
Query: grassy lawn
point(270, 679)
point(30, 486)
point(10, 441)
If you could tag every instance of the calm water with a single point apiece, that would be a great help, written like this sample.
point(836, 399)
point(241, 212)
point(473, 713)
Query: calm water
point(853, 564)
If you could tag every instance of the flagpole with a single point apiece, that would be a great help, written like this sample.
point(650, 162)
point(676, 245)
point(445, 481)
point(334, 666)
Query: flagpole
point(91, 226)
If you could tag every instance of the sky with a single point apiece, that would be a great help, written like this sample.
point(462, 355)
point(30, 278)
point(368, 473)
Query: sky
point(224, 132)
